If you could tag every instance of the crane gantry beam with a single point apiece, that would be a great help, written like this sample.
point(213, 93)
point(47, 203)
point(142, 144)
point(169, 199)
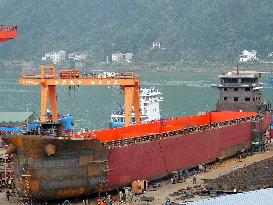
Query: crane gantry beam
point(49, 80)
point(78, 81)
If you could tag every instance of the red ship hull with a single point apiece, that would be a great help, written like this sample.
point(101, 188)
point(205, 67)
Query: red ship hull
point(159, 158)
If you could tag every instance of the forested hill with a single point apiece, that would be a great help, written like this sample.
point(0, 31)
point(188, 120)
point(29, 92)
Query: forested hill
point(207, 30)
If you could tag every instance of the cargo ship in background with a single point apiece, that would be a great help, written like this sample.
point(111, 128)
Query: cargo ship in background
point(149, 105)
point(51, 168)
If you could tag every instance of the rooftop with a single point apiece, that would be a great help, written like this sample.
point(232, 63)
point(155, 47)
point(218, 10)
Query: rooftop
point(242, 74)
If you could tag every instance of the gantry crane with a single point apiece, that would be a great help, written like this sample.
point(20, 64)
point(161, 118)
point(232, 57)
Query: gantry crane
point(48, 79)
point(7, 33)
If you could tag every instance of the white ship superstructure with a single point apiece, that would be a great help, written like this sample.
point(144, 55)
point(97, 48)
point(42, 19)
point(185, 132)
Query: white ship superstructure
point(149, 105)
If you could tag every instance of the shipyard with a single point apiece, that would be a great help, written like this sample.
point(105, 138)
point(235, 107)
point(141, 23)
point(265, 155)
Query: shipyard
point(134, 112)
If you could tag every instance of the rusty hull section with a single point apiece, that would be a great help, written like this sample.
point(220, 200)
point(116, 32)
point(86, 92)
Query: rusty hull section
point(76, 168)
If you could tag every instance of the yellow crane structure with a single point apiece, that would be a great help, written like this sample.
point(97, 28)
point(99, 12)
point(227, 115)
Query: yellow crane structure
point(48, 79)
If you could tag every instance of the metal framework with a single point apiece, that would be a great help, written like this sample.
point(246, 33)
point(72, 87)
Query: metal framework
point(48, 80)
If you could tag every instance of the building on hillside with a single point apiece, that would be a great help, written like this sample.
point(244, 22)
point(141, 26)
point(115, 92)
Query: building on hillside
point(55, 57)
point(120, 57)
point(117, 57)
point(248, 56)
point(77, 56)
point(156, 44)
point(128, 57)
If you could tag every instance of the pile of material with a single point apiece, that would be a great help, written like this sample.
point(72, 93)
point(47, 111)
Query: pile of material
point(189, 192)
point(255, 176)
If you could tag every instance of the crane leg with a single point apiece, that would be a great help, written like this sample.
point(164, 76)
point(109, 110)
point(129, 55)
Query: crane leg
point(44, 97)
point(136, 104)
point(129, 92)
point(53, 102)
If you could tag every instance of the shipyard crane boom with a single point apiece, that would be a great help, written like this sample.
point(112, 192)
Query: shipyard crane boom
point(48, 80)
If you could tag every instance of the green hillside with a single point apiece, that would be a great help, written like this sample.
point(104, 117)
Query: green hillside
point(189, 30)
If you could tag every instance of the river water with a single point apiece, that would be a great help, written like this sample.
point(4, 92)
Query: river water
point(184, 93)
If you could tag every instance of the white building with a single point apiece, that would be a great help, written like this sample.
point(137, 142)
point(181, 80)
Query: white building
point(248, 56)
point(117, 57)
point(77, 56)
point(128, 57)
point(156, 44)
point(55, 57)
point(120, 57)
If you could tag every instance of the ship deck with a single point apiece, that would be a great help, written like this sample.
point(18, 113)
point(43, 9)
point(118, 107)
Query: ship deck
point(163, 126)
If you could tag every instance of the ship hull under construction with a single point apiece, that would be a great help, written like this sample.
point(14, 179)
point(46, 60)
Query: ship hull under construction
point(110, 159)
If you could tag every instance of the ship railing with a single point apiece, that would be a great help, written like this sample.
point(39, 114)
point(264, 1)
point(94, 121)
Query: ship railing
point(173, 133)
point(248, 84)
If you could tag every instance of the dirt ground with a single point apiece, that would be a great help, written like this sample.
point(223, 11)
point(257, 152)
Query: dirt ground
point(4, 200)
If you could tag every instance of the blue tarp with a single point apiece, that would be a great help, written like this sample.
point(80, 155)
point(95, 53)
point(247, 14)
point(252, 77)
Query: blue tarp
point(33, 125)
point(67, 122)
point(116, 124)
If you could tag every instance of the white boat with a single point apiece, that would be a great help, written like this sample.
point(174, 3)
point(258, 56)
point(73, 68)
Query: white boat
point(149, 105)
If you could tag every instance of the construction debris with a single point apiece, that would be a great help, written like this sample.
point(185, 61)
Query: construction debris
point(146, 198)
point(255, 176)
